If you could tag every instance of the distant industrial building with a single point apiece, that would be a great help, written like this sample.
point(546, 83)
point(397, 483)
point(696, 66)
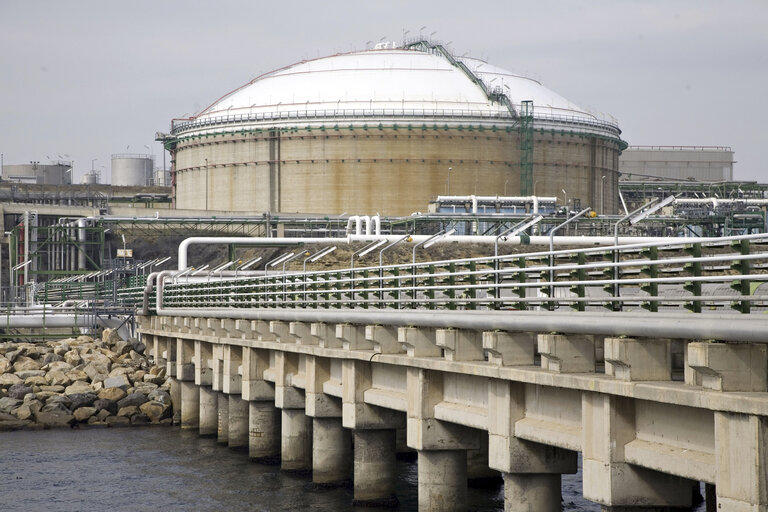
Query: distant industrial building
point(58, 173)
point(676, 163)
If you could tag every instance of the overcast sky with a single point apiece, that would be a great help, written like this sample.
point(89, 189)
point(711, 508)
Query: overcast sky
point(86, 79)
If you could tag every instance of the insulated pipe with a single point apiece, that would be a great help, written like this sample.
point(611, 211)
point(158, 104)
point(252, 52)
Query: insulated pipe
point(581, 241)
point(81, 238)
point(376, 225)
point(738, 328)
point(367, 224)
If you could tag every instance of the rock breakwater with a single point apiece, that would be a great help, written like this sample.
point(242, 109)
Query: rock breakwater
point(81, 381)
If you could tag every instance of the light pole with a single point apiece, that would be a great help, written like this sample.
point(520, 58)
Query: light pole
point(449, 181)
point(602, 196)
point(534, 187)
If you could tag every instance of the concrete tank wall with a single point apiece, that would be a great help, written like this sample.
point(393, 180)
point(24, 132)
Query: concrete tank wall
point(131, 170)
point(386, 170)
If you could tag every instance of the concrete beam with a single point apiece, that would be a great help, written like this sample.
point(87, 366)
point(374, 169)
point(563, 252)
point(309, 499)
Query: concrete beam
point(253, 386)
point(185, 357)
point(638, 359)
point(384, 339)
point(425, 432)
point(325, 334)
point(572, 353)
point(302, 333)
point(353, 337)
point(319, 404)
point(742, 455)
point(232, 380)
point(730, 366)
point(203, 356)
point(460, 344)
point(418, 342)
point(510, 349)
point(356, 414)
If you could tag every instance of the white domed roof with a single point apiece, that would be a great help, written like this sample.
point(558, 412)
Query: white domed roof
point(416, 85)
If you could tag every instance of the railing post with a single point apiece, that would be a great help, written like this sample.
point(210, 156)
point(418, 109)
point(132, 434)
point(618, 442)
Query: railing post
point(652, 271)
point(741, 285)
point(694, 269)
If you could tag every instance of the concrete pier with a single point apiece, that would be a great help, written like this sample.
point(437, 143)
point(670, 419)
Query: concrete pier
point(442, 480)
point(222, 426)
point(237, 437)
point(209, 412)
point(190, 405)
point(296, 441)
point(375, 472)
point(264, 432)
point(331, 452)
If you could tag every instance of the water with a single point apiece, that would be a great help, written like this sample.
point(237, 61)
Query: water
point(138, 469)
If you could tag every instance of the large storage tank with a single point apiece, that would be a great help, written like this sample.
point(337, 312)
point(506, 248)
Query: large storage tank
point(386, 130)
point(59, 173)
point(132, 170)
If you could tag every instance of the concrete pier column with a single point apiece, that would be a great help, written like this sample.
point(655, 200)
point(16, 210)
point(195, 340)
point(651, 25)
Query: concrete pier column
point(375, 472)
point(442, 480)
point(532, 493)
point(222, 429)
point(209, 411)
point(190, 405)
point(238, 423)
point(296, 441)
point(264, 432)
point(331, 452)
point(175, 393)
point(608, 424)
point(531, 471)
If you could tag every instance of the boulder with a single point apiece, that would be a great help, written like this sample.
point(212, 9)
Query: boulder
point(73, 357)
point(9, 379)
point(7, 404)
point(54, 419)
point(25, 374)
point(140, 419)
point(28, 411)
point(134, 399)
point(11, 355)
point(159, 395)
point(117, 381)
point(62, 366)
point(58, 378)
point(128, 411)
point(83, 413)
point(51, 357)
point(26, 363)
point(78, 387)
point(100, 360)
point(76, 374)
point(121, 347)
point(115, 394)
point(144, 388)
point(58, 399)
point(103, 404)
point(19, 391)
point(156, 411)
point(82, 400)
point(110, 336)
point(103, 414)
point(52, 389)
point(35, 380)
point(55, 408)
point(5, 365)
point(9, 422)
point(118, 421)
point(138, 346)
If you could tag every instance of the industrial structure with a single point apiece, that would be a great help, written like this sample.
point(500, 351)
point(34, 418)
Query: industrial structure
point(677, 163)
point(389, 129)
point(56, 173)
point(132, 170)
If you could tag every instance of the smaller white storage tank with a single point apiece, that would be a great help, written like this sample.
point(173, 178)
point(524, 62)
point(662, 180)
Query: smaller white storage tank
point(91, 178)
point(132, 170)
